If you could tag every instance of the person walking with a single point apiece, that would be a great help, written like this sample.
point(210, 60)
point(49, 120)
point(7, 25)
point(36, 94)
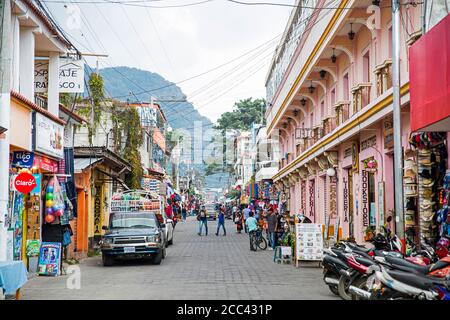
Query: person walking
point(203, 221)
point(252, 226)
point(221, 220)
point(272, 224)
point(238, 220)
point(184, 213)
point(246, 213)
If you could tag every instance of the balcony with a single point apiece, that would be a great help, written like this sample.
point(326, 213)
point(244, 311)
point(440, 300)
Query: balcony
point(342, 109)
point(328, 125)
point(41, 101)
point(383, 73)
point(361, 96)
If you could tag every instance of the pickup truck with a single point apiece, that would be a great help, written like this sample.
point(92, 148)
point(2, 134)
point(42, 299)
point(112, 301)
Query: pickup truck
point(133, 235)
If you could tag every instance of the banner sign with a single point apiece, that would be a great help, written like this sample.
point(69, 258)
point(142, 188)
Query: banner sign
point(49, 259)
point(48, 136)
point(24, 183)
point(33, 247)
point(45, 164)
point(309, 241)
point(71, 75)
point(23, 159)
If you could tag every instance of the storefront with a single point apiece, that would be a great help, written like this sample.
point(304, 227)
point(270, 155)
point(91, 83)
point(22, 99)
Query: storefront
point(427, 167)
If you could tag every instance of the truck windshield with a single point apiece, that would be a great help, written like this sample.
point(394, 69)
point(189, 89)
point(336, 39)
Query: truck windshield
point(133, 220)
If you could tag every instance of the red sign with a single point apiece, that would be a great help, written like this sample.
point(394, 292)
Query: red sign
point(24, 183)
point(46, 164)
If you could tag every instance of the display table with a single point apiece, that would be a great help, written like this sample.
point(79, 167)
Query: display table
point(13, 275)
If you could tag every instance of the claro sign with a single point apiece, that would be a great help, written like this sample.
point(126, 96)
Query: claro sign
point(25, 183)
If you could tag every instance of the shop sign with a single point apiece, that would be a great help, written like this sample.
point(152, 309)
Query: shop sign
point(312, 205)
point(23, 159)
point(48, 136)
point(45, 164)
point(333, 195)
point(370, 165)
point(365, 198)
point(49, 259)
point(345, 191)
point(71, 75)
point(25, 182)
point(303, 203)
point(37, 189)
point(98, 211)
point(33, 247)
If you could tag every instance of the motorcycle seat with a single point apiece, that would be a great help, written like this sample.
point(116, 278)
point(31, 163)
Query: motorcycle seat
point(364, 261)
point(405, 265)
point(356, 247)
point(439, 265)
point(416, 280)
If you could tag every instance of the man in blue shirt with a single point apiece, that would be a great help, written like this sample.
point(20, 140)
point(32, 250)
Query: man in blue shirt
point(221, 221)
point(252, 225)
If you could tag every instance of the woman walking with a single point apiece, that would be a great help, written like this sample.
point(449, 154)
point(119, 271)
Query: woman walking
point(239, 220)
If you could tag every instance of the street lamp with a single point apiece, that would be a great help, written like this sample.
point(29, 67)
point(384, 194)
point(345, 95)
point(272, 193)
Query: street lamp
point(351, 34)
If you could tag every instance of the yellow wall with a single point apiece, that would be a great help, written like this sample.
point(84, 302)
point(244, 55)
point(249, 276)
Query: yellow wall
point(20, 126)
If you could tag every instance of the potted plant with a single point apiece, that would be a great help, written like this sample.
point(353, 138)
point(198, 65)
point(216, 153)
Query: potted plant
point(369, 233)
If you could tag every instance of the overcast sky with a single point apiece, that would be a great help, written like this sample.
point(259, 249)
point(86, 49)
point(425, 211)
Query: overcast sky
point(183, 42)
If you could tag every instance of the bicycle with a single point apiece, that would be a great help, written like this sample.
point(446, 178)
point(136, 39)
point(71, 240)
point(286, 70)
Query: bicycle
point(258, 240)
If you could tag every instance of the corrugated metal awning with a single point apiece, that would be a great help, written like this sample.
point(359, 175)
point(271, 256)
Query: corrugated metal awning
point(82, 163)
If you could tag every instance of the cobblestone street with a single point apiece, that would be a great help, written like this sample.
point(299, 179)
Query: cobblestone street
point(195, 268)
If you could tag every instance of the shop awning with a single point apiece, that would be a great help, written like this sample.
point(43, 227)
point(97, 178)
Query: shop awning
point(82, 163)
point(430, 79)
point(265, 174)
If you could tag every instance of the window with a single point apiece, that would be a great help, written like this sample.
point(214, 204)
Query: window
point(366, 67)
point(322, 109)
point(346, 87)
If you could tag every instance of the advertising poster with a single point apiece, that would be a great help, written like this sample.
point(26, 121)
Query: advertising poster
point(309, 241)
point(48, 136)
point(33, 247)
point(49, 259)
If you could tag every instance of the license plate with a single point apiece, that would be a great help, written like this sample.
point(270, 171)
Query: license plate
point(129, 249)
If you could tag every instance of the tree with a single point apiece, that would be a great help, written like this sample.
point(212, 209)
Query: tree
point(245, 113)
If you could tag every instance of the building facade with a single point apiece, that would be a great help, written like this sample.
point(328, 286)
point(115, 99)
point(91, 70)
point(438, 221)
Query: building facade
point(330, 94)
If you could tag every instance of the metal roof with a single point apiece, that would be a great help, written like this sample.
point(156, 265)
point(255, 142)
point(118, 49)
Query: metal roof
point(82, 163)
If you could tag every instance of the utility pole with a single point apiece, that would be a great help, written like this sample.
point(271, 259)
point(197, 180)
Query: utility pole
point(5, 115)
point(398, 151)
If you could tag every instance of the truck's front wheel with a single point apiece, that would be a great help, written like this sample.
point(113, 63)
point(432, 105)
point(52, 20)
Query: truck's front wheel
point(158, 257)
point(107, 260)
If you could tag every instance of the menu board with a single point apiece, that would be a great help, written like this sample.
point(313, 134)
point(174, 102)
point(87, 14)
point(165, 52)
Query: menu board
point(309, 241)
point(49, 259)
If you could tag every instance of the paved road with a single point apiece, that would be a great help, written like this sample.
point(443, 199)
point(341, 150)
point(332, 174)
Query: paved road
point(195, 268)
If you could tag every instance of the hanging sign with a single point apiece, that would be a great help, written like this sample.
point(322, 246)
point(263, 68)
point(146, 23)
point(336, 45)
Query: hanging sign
point(370, 165)
point(365, 198)
point(25, 182)
point(48, 136)
point(45, 164)
point(345, 193)
point(23, 159)
point(49, 259)
point(71, 75)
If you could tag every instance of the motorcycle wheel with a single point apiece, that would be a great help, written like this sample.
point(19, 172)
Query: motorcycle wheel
point(334, 289)
point(344, 284)
point(360, 283)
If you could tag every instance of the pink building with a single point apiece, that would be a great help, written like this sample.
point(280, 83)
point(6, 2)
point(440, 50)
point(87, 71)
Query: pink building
point(330, 91)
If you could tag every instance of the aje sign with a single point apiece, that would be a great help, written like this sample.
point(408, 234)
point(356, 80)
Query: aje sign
point(71, 75)
point(25, 183)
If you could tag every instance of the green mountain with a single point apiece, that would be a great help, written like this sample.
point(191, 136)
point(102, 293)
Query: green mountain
point(134, 84)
